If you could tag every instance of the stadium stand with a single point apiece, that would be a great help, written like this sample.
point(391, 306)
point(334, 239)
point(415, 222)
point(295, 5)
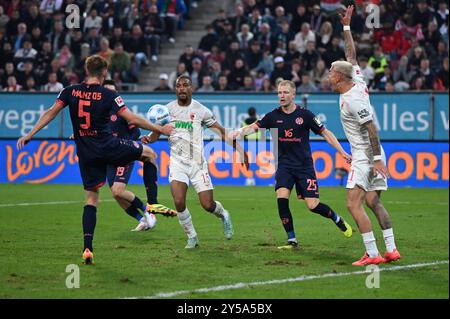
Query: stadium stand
point(248, 45)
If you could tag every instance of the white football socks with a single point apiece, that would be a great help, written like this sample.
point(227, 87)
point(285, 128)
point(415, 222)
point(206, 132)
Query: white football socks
point(388, 235)
point(371, 244)
point(219, 211)
point(185, 221)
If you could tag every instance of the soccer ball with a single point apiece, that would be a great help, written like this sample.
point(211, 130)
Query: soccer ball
point(158, 114)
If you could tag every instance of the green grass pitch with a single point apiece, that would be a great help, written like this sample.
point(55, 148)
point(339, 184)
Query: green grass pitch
point(38, 241)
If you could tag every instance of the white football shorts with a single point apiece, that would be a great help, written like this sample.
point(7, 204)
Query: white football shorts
point(361, 174)
point(197, 175)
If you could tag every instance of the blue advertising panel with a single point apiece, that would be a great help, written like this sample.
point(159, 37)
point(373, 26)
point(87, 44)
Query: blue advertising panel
point(411, 164)
point(398, 116)
point(441, 117)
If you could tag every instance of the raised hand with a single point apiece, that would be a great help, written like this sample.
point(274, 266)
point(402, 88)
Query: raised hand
point(345, 20)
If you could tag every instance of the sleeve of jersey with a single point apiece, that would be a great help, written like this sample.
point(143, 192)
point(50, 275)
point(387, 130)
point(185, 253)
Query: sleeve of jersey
point(361, 109)
point(265, 122)
point(209, 119)
point(315, 124)
point(118, 106)
point(63, 97)
point(357, 75)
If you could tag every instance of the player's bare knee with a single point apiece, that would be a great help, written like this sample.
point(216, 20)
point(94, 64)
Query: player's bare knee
point(180, 204)
point(311, 204)
point(117, 192)
point(209, 206)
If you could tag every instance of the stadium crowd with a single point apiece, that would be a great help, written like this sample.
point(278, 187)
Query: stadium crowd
point(249, 46)
point(252, 44)
point(39, 51)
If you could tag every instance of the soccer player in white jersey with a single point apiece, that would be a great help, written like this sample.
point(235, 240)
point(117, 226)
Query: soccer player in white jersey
point(368, 174)
point(187, 162)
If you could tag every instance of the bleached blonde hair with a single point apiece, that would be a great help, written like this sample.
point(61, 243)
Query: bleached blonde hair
point(343, 67)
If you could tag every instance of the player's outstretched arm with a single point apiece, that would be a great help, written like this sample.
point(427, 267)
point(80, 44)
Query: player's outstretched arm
point(150, 138)
point(139, 121)
point(332, 140)
point(216, 127)
point(378, 165)
point(45, 118)
point(350, 51)
point(244, 131)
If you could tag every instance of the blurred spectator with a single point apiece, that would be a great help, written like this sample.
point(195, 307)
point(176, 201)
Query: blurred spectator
point(58, 37)
point(197, 73)
point(222, 84)
point(237, 74)
point(215, 71)
point(27, 72)
point(137, 45)
point(37, 38)
point(267, 86)
point(232, 54)
point(244, 37)
point(310, 57)
point(303, 36)
point(324, 37)
point(206, 85)
point(319, 72)
point(238, 19)
point(172, 11)
point(12, 85)
point(208, 40)
point(30, 85)
point(300, 17)
point(121, 64)
point(249, 85)
point(154, 28)
point(389, 87)
point(441, 17)
point(215, 56)
point(307, 86)
point(105, 52)
point(417, 84)
point(425, 73)
point(267, 64)
point(20, 37)
point(9, 71)
point(367, 71)
point(26, 53)
point(65, 58)
point(117, 37)
point(163, 83)
point(4, 19)
point(53, 85)
point(93, 21)
point(442, 75)
point(187, 57)
point(266, 39)
point(227, 36)
point(333, 53)
point(296, 72)
point(382, 78)
point(219, 21)
point(281, 71)
point(253, 55)
point(259, 79)
point(378, 61)
point(317, 19)
point(181, 70)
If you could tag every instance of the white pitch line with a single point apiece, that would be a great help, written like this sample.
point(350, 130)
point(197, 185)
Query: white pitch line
point(282, 281)
point(50, 203)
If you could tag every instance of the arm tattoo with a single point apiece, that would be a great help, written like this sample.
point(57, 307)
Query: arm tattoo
point(373, 137)
point(350, 51)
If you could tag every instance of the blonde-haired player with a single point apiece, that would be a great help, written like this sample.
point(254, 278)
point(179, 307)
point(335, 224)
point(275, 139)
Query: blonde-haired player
point(368, 174)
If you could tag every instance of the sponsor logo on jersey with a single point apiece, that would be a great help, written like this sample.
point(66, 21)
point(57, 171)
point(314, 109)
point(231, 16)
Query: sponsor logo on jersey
point(363, 113)
point(136, 144)
point(279, 121)
point(185, 125)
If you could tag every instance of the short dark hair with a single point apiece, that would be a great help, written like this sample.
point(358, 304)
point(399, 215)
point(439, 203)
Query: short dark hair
point(183, 76)
point(109, 82)
point(95, 65)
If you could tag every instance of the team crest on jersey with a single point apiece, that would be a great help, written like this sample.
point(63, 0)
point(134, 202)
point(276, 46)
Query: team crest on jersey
point(119, 101)
point(299, 120)
point(192, 115)
point(113, 117)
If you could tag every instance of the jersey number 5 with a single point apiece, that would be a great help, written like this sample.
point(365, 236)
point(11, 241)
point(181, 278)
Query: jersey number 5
point(83, 114)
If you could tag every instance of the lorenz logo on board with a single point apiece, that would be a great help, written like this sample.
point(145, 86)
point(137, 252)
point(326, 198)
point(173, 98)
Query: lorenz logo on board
point(50, 158)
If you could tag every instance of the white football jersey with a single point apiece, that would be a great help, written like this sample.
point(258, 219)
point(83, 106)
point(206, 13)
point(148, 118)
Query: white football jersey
point(186, 140)
point(355, 111)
